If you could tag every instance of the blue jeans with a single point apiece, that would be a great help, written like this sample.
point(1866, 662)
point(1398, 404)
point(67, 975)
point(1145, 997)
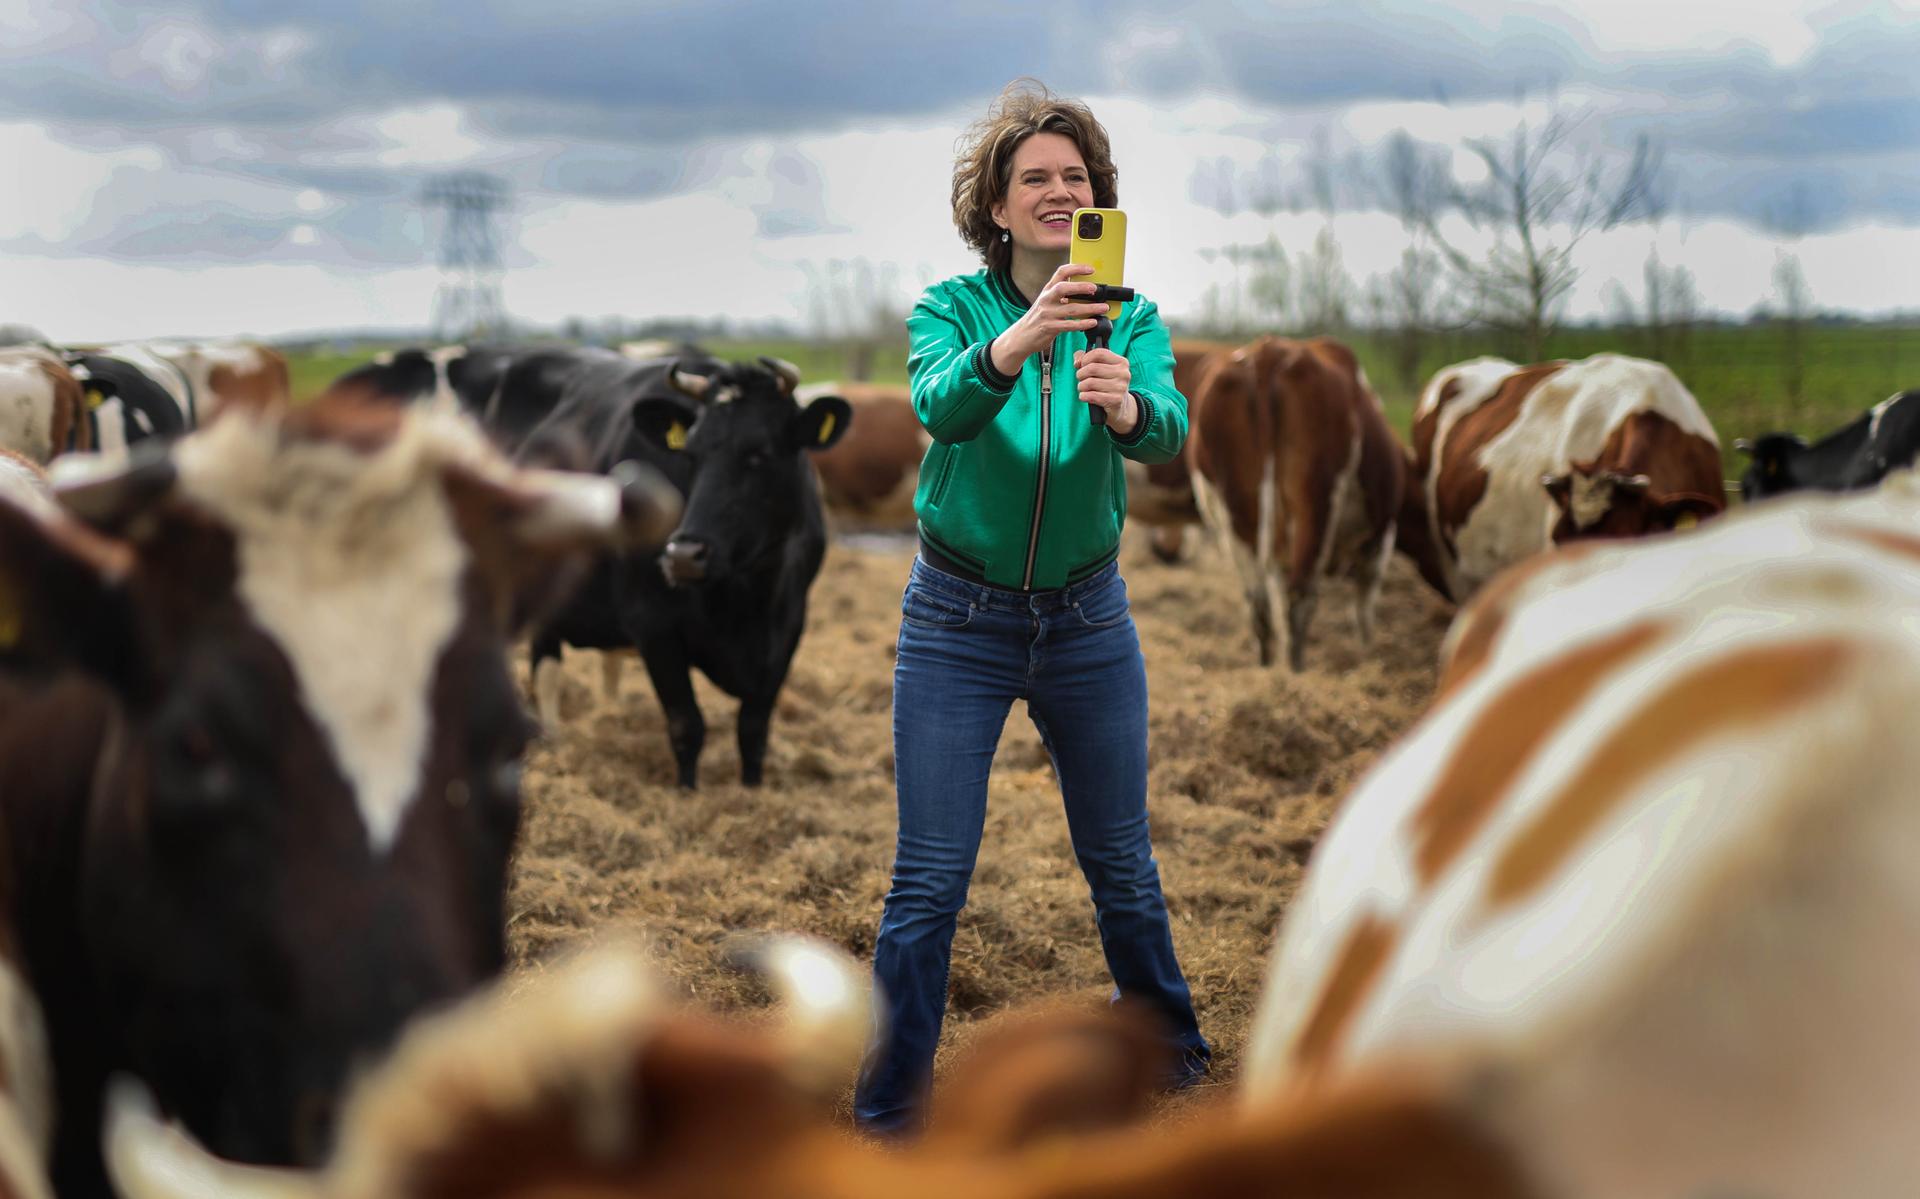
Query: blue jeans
point(966, 652)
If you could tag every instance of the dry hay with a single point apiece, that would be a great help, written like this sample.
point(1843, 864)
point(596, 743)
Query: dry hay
point(1248, 765)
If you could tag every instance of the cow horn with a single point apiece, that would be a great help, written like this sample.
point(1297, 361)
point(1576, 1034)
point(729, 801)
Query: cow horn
point(148, 1158)
point(829, 1004)
point(1743, 445)
point(786, 372)
point(107, 492)
point(688, 382)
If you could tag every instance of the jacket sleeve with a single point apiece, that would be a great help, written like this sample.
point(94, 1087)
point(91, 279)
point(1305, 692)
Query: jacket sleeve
point(1163, 410)
point(956, 389)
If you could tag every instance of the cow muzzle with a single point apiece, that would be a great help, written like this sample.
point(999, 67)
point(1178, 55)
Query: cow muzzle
point(685, 561)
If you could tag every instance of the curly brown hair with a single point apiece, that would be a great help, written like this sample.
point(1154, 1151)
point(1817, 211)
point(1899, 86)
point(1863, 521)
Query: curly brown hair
point(984, 170)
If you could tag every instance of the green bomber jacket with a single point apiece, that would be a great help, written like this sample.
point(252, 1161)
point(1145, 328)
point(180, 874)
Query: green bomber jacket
point(1018, 483)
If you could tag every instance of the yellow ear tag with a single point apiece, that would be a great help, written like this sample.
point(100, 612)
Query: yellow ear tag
point(95, 397)
point(1687, 521)
point(826, 427)
point(676, 436)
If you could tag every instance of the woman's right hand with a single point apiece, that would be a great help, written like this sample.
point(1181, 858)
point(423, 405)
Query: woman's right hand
point(1060, 307)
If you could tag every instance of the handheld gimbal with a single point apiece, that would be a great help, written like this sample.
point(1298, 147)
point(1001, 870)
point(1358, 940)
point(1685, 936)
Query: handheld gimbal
point(1103, 293)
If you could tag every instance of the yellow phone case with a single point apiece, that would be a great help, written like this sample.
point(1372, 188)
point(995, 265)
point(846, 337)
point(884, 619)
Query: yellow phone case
point(1107, 255)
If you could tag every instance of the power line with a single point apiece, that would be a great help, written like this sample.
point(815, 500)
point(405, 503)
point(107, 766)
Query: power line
point(468, 303)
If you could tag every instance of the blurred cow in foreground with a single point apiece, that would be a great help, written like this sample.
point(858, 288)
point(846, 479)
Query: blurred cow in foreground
point(1512, 459)
point(1296, 472)
point(1636, 897)
point(586, 1084)
point(259, 751)
point(1885, 438)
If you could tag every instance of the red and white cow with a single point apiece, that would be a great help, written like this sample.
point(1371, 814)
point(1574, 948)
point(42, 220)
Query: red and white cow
point(223, 373)
point(1160, 496)
point(1514, 459)
point(1637, 897)
point(259, 750)
point(1295, 471)
point(43, 411)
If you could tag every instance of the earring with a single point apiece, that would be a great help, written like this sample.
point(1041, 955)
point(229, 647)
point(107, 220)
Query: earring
point(1004, 235)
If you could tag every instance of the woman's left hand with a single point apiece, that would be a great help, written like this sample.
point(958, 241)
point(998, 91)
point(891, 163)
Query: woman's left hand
point(1105, 379)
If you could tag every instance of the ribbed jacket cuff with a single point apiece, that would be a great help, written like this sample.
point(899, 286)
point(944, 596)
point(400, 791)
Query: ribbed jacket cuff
point(989, 373)
point(1139, 433)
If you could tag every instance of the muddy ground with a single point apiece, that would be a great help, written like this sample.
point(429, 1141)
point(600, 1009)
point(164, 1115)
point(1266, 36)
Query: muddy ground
point(1248, 766)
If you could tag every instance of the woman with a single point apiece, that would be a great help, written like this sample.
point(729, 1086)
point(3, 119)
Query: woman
point(1016, 593)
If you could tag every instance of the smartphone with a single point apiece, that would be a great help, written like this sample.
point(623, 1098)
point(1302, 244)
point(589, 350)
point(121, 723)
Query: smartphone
point(1100, 241)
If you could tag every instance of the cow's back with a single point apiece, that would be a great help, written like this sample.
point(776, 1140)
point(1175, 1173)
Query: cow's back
point(1642, 875)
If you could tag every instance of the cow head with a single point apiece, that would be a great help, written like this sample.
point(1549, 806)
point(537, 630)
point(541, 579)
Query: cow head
point(1771, 469)
point(1591, 502)
point(748, 482)
point(300, 820)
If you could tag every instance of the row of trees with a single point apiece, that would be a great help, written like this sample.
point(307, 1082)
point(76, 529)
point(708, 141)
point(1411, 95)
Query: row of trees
point(1497, 255)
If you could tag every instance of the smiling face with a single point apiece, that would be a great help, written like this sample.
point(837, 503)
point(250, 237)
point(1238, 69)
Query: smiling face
point(1048, 181)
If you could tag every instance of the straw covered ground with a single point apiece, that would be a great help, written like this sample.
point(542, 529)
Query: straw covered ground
point(1248, 765)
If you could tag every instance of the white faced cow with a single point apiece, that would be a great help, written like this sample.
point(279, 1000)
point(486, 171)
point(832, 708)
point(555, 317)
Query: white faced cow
point(259, 750)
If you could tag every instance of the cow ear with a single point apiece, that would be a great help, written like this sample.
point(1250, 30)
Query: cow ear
point(821, 423)
point(64, 601)
point(664, 423)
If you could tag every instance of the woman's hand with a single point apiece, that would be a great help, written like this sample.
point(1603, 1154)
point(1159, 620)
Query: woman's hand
point(1059, 308)
point(1106, 379)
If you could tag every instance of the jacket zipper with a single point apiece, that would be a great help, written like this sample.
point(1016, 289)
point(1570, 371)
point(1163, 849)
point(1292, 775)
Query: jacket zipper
point(1040, 488)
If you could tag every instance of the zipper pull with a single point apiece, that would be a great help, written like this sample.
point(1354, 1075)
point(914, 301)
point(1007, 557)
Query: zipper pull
point(1046, 373)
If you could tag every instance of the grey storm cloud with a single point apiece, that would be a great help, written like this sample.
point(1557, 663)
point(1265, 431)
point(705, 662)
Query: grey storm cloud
point(617, 100)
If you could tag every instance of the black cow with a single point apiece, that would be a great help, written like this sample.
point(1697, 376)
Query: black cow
point(729, 594)
point(1885, 438)
point(471, 375)
point(125, 403)
point(259, 752)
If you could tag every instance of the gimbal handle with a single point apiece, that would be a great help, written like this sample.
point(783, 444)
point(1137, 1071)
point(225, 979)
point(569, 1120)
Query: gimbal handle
point(1102, 331)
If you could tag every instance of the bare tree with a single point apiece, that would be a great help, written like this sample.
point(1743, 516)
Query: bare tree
point(853, 303)
point(1412, 305)
point(1795, 306)
point(1324, 291)
point(1672, 304)
point(1540, 199)
point(1270, 285)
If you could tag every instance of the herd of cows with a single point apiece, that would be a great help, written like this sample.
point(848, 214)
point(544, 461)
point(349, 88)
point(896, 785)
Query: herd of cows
point(1630, 912)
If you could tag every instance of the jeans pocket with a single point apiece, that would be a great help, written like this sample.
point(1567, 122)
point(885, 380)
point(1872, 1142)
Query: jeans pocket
point(934, 610)
point(1104, 607)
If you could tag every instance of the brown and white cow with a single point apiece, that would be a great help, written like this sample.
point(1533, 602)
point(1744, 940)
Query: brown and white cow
point(1513, 459)
point(1640, 886)
point(1160, 496)
point(867, 478)
point(43, 410)
point(223, 373)
point(1296, 472)
point(259, 750)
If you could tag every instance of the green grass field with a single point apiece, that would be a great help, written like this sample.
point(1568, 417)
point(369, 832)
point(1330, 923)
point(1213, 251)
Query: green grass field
point(1739, 374)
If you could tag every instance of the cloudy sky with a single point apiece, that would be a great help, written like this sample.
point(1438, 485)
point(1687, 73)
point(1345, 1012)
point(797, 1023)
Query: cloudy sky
point(214, 167)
